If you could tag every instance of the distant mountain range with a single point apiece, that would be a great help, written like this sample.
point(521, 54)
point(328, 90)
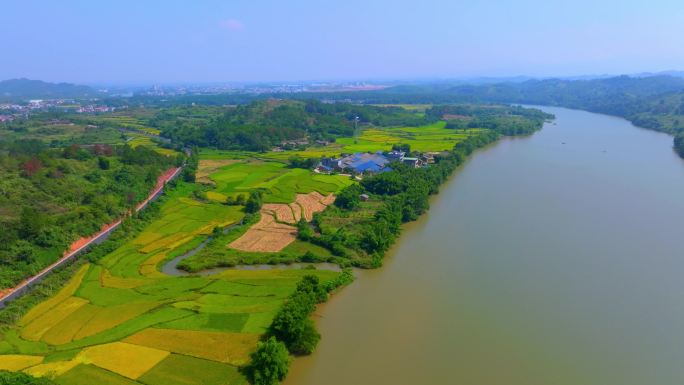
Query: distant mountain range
point(22, 89)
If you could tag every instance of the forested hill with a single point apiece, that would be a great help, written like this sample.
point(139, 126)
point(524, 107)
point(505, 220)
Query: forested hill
point(652, 102)
point(22, 89)
point(262, 124)
point(49, 197)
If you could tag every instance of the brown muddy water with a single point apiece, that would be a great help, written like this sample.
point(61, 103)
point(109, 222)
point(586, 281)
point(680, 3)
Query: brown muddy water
point(554, 259)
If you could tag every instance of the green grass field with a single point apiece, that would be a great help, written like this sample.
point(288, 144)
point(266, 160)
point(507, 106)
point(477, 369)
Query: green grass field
point(280, 183)
point(425, 138)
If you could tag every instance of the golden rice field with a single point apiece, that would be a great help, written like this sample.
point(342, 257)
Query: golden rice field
point(143, 140)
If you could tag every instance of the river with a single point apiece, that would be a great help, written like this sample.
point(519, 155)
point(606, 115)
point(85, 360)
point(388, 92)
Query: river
point(552, 259)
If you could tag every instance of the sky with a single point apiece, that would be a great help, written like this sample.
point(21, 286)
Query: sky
point(169, 41)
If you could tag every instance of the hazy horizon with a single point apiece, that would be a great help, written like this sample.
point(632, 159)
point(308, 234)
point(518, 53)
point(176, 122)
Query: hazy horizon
point(170, 42)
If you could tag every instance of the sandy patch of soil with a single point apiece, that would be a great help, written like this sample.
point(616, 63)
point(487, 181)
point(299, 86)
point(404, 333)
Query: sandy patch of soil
point(270, 234)
point(282, 212)
point(267, 235)
point(312, 203)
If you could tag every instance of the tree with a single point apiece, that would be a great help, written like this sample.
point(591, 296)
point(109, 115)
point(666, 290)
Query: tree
point(254, 202)
point(300, 162)
point(18, 378)
point(71, 151)
point(103, 163)
point(31, 222)
point(32, 166)
point(240, 200)
point(308, 339)
point(679, 144)
point(270, 363)
point(403, 147)
point(304, 231)
point(189, 175)
point(292, 324)
point(349, 198)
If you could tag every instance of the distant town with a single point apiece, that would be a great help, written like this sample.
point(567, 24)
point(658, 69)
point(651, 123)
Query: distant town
point(12, 111)
point(18, 106)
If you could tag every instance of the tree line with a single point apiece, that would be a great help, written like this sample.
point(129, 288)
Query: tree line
point(292, 330)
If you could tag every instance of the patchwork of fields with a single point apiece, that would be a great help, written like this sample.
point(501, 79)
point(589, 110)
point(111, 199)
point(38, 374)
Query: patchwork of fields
point(121, 321)
point(433, 137)
point(144, 140)
point(280, 183)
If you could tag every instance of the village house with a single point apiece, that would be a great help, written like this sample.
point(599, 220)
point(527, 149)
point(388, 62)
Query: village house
point(294, 143)
point(365, 162)
point(356, 163)
point(397, 156)
point(412, 162)
point(328, 164)
point(429, 157)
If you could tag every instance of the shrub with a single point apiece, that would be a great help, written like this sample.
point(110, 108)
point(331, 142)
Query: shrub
point(12, 378)
point(292, 325)
point(349, 198)
point(254, 202)
point(269, 363)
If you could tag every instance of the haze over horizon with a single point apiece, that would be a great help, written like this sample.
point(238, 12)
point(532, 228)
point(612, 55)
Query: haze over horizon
point(212, 41)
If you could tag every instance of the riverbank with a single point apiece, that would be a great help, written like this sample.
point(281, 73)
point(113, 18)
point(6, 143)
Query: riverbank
point(539, 259)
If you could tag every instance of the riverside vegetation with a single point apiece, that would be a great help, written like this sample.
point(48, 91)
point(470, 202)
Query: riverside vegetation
point(112, 317)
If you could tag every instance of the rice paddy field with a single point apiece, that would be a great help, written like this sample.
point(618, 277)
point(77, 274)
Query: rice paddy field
point(433, 137)
point(129, 119)
point(280, 183)
point(122, 321)
point(135, 140)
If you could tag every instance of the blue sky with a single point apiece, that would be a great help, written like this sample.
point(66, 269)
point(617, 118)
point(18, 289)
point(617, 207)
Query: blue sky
point(257, 40)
